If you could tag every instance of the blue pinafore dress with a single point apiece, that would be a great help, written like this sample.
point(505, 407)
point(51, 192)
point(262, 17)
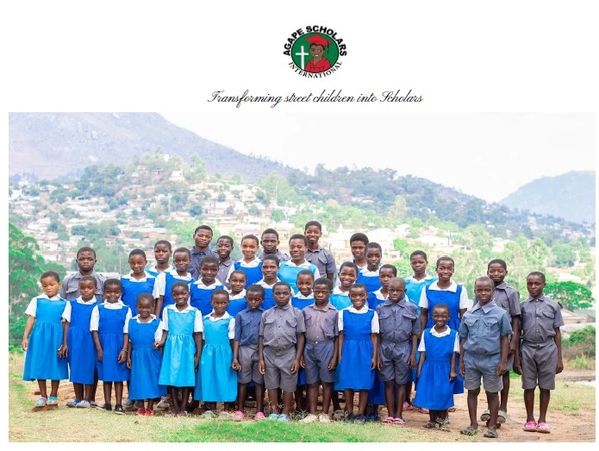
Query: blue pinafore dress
point(178, 367)
point(82, 351)
point(41, 358)
point(216, 380)
point(110, 332)
point(434, 390)
point(253, 274)
point(354, 369)
point(145, 361)
point(236, 305)
point(201, 298)
point(133, 288)
point(301, 303)
point(169, 281)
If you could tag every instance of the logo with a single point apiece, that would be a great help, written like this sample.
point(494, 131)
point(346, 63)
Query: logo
point(315, 51)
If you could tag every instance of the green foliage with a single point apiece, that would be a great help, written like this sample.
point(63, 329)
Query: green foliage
point(586, 335)
point(195, 171)
point(400, 245)
point(564, 255)
point(580, 343)
point(572, 295)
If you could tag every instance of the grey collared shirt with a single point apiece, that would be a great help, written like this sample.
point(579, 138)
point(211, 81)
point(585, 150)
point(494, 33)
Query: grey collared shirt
point(398, 321)
point(70, 286)
point(282, 256)
point(279, 326)
point(507, 298)
point(323, 260)
point(540, 318)
point(321, 322)
point(247, 326)
point(196, 260)
point(223, 271)
point(483, 326)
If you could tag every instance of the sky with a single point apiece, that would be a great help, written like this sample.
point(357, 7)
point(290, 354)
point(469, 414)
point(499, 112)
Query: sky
point(489, 155)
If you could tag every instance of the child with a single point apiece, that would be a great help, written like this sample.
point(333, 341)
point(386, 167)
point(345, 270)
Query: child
point(270, 242)
point(270, 268)
point(237, 292)
point(540, 357)
point(280, 349)
point(249, 264)
point(45, 339)
point(144, 359)
point(320, 352)
point(216, 380)
point(358, 350)
point(202, 289)
point(245, 352)
point(399, 330)
point(508, 299)
point(182, 340)
point(288, 270)
point(138, 281)
point(386, 273)
point(202, 236)
point(358, 242)
point(162, 254)
point(224, 247)
point(107, 326)
point(484, 346)
point(317, 255)
point(369, 276)
point(348, 273)
point(305, 296)
point(420, 279)
point(82, 357)
point(436, 368)
point(163, 286)
point(86, 260)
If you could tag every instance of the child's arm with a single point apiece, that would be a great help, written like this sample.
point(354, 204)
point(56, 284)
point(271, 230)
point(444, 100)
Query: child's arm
point(452, 374)
point(197, 337)
point(129, 354)
point(558, 343)
point(374, 363)
point(235, 364)
point(159, 302)
point(99, 349)
point(299, 351)
point(123, 354)
point(339, 346)
point(423, 319)
point(515, 336)
point(413, 353)
point(64, 349)
point(28, 326)
point(505, 349)
point(333, 362)
point(461, 365)
point(421, 362)
point(160, 343)
point(261, 366)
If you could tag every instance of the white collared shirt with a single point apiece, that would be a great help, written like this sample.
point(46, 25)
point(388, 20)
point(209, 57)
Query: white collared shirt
point(374, 324)
point(239, 295)
point(453, 287)
point(338, 290)
point(444, 333)
point(198, 326)
point(299, 295)
point(160, 283)
point(379, 294)
point(231, 333)
point(201, 285)
point(95, 318)
point(263, 284)
point(157, 334)
point(414, 280)
point(242, 263)
point(130, 277)
point(31, 309)
point(305, 264)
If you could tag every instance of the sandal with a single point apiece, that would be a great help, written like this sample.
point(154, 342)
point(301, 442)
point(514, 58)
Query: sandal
point(485, 415)
point(470, 431)
point(430, 425)
point(501, 416)
point(490, 433)
point(530, 426)
point(543, 428)
point(399, 421)
point(388, 420)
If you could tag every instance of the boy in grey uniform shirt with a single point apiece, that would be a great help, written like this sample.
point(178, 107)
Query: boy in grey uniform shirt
point(484, 347)
point(280, 349)
point(320, 257)
point(540, 356)
point(86, 260)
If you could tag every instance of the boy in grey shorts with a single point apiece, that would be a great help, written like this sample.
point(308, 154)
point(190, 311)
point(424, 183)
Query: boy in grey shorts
point(280, 348)
point(540, 357)
point(484, 345)
point(245, 351)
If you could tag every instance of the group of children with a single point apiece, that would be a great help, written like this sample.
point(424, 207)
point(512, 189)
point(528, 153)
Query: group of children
point(207, 329)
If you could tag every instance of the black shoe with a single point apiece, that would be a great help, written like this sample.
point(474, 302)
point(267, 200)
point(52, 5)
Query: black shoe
point(106, 407)
point(118, 409)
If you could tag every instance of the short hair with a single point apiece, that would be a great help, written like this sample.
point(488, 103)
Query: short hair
point(373, 245)
point(180, 284)
point(255, 288)
point(209, 259)
point(358, 237)
point(228, 238)
point(86, 249)
point(349, 265)
point(497, 261)
point(52, 274)
point(442, 306)
point(251, 237)
point(137, 252)
point(165, 242)
point(183, 249)
point(445, 258)
point(485, 279)
point(238, 271)
point(89, 279)
point(219, 291)
point(203, 227)
point(419, 252)
point(145, 296)
point(359, 286)
point(313, 223)
point(273, 231)
point(323, 281)
point(298, 236)
point(538, 274)
point(113, 282)
point(280, 283)
point(391, 267)
point(304, 272)
point(272, 257)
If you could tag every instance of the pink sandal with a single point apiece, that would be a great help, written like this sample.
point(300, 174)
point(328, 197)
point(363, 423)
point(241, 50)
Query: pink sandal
point(543, 428)
point(399, 421)
point(530, 426)
point(388, 420)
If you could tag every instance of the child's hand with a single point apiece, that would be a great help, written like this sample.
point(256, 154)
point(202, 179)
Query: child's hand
point(295, 365)
point(63, 351)
point(261, 367)
point(302, 362)
point(235, 365)
point(513, 347)
point(500, 368)
point(517, 366)
point(412, 361)
point(158, 345)
point(560, 366)
point(100, 355)
point(129, 363)
point(122, 356)
point(461, 367)
point(452, 375)
point(374, 364)
point(24, 344)
point(379, 364)
point(196, 361)
point(332, 364)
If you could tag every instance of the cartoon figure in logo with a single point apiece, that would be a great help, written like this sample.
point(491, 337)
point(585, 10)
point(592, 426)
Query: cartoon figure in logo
point(318, 63)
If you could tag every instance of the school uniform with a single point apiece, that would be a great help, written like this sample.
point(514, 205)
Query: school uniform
point(153, 270)
point(197, 257)
point(340, 299)
point(163, 286)
point(132, 288)
point(300, 301)
point(69, 289)
point(321, 332)
point(269, 300)
point(454, 296)
point(252, 270)
point(237, 302)
point(282, 256)
point(279, 327)
point(540, 318)
point(323, 259)
point(376, 298)
point(200, 295)
point(223, 271)
point(370, 279)
point(288, 272)
point(398, 323)
point(82, 351)
point(508, 299)
point(482, 327)
point(414, 288)
point(247, 332)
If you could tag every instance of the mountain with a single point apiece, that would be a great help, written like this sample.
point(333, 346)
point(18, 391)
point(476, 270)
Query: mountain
point(570, 196)
point(39, 143)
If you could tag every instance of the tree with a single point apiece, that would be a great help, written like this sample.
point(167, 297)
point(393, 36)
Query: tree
point(563, 255)
point(572, 295)
point(196, 171)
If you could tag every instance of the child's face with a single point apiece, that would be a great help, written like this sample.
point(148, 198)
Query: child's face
point(112, 293)
point(358, 250)
point(358, 297)
point(237, 282)
point(86, 261)
point(145, 308)
point(483, 291)
point(316, 50)
point(181, 296)
point(181, 261)
point(397, 290)
point(50, 286)
point(321, 294)
point(269, 243)
point(297, 249)
point(202, 238)
point(347, 277)
point(418, 264)
point(440, 316)
point(282, 295)
point(208, 272)
point(445, 270)
point(249, 247)
point(269, 269)
point(385, 276)
point(87, 288)
point(313, 234)
point(162, 253)
point(373, 258)
point(223, 248)
point(535, 286)
point(254, 299)
point(304, 284)
point(496, 272)
point(137, 263)
point(220, 303)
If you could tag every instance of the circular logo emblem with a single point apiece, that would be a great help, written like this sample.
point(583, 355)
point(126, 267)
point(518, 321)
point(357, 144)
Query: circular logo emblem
point(315, 51)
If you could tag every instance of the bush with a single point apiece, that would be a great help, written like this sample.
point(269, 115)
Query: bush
point(580, 343)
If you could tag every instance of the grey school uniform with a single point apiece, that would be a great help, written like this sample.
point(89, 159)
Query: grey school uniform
point(279, 328)
point(321, 331)
point(540, 318)
point(196, 260)
point(398, 322)
point(247, 331)
point(223, 271)
point(483, 327)
point(70, 286)
point(323, 260)
point(282, 256)
point(508, 299)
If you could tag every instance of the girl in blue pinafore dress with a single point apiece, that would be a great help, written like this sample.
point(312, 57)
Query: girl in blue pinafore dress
point(44, 340)
point(249, 264)
point(144, 358)
point(216, 380)
point(165, 281)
